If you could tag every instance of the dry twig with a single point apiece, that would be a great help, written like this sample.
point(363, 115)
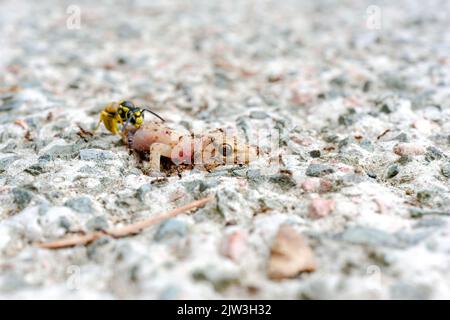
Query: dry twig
point(131, 229)
point(383, 134)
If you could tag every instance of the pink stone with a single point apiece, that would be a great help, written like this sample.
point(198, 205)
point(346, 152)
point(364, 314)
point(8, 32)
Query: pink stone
point(311, 185)
point(319, 208)
point(290, 255)
point(344, 168)
point(234, 244)
point(408, 149)
point(423, 126)
point(325, 185)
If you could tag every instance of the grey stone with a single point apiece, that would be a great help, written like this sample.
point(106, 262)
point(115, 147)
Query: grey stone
point(11, 147)
point(395, 82)
point(371, 174)
point(22, 197)
point(45, 158)
point(170, 293)
point(446, 170)
point(43, 208)
point(10, 104)
point(284, 181)
point(142, 191)
point(402, 137)
point(65, 223)
point(199, 186)
point(387, 104)
point(319, 170)
point(89, 170)
point(346, 120)
point(255, 177)
point(424, 196)
point(331, 138)
point(408, 291)
point(416, 212)
point(351, 179)
point(386, 108)
point(96, 155)
point(315, 153)
point(99, 249)
point(366, 144)
point(404, 159)
point(219, 279)
point(97, 223)
point(238, 171)
point(12, 282)
point(127, 31)
point(80, 204)
point(7, 161)
point(339, 81)
point(392, 171)
point(367, 85)
point(430, 223)
point(412, 239)
point(259, 115)
point(62, 151)
point(344, 143)
point(369, 236)
point(170, 229)
point(35, 169)
point(433, 153)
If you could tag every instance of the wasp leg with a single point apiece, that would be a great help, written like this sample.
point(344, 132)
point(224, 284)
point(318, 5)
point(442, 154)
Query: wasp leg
point(124, 125)
point(158, 150)
point(98, 125)
point(108, 120)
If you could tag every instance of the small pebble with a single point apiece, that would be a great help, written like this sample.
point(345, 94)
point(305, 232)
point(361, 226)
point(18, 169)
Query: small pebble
point(96, 155)
point(366, 144)
point(290, 255)
point(446, 170)
point(424, 196)
point(80, 204)
point(234, 244)
point(402, 137)
point(392, 171)
point(368, 236)
point(408, 149)
point(143, 190)
point(97, 223)
point(371, 174)
point(62, 151)
point(346, 120)
point(5, 162)
point(315, 153)
point(259, 115)
point(433, 153)
point(311, 185)
point(284, 181)
point(22, 197)
point(320, 208)
point(423, 126)
point(171, 229)
point(35, 169)
point(317, 185)
point(319, 170)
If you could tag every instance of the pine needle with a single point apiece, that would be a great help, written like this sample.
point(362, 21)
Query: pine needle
point(120, 232)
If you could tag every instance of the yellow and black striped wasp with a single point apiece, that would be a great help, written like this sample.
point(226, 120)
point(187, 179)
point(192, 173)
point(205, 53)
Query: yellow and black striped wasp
point(123, 112)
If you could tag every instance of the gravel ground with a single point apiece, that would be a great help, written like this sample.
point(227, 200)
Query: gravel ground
point(358, 206)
